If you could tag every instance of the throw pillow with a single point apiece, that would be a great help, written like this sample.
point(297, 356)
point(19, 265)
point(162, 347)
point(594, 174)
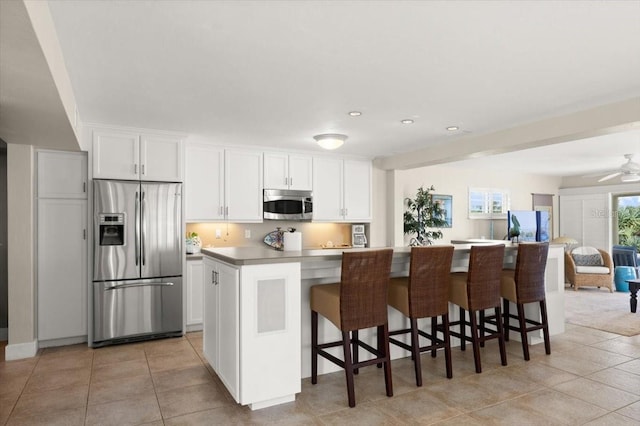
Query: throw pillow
point(587, 259)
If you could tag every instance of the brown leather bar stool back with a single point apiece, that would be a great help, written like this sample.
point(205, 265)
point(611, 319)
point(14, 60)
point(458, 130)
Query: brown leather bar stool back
point(424, 294)
point(358, 301)
point(477, 290)
point(526, 285)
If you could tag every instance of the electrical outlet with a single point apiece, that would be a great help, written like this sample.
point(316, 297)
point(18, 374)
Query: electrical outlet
point(247, 233)
point(218, 234)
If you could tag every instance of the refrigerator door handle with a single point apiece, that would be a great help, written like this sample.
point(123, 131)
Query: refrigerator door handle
point(120, 286)
point(137, 219)
point(143, 204)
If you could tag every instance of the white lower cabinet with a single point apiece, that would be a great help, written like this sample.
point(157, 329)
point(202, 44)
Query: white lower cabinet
point(252, 330)
point(195, 294)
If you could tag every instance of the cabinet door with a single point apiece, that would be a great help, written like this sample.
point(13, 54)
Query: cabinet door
point(116, 155)
point(357, 191)
point(204, 183)
point(243, 186)
point(210, 338)
point(327, 189)
point(276, 171)
point(161, 158)
point(61, 268)
point(62, 174)
point(300, 172)
point(229, 328)
point(195, 291)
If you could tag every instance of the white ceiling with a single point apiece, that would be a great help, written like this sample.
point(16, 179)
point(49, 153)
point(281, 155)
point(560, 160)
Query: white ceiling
point(275, 73)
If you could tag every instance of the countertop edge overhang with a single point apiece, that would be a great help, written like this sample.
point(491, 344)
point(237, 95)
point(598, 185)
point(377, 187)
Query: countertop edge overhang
point(240, 256)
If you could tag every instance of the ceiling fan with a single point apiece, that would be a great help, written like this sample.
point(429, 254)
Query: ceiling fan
point(628, 172)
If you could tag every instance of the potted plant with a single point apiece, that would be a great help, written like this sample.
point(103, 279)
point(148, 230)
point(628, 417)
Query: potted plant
point(193, 243)
point(422, 215)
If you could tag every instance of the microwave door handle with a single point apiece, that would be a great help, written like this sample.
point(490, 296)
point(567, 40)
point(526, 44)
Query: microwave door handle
point(137, 228)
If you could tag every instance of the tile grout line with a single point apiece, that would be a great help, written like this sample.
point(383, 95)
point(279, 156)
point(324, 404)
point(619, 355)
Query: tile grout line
point(86, 407)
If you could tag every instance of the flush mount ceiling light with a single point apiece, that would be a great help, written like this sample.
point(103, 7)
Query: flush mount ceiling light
point(355, 113)
point(453, 128)
point(407, 121)
point(330, 140)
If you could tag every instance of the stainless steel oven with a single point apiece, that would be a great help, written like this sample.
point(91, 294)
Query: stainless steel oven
point(280, 204)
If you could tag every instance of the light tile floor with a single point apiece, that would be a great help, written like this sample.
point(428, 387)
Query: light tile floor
point(591, 377)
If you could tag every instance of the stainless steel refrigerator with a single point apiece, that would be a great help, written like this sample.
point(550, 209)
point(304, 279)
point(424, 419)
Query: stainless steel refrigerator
point(137, 266)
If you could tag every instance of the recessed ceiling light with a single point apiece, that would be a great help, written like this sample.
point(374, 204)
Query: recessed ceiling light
point(355, 113)
point(453, 128)
point(407, 121)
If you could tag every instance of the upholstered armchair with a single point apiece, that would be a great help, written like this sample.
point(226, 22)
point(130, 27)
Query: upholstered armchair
point(589, 267)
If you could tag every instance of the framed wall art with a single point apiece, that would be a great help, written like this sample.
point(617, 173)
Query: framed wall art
point(446, 204)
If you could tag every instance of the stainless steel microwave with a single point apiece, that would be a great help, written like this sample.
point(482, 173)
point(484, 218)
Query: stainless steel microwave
point(283, 204)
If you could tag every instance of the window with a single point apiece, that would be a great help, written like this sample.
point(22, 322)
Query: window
point(488, 203)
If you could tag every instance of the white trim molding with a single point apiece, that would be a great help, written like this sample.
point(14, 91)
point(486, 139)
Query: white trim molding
point(21, 350)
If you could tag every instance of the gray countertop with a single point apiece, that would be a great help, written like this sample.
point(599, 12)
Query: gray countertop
point(262, 255)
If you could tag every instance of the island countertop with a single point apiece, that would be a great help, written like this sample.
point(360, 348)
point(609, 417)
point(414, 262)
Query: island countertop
point(240, 256)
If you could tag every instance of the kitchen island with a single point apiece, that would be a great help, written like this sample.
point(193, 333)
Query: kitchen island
point(257, 325)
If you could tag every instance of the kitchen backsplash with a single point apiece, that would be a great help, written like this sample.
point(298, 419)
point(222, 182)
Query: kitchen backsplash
point(314, 235)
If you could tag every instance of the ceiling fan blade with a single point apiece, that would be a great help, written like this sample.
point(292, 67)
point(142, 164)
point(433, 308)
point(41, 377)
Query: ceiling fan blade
point(603, 173)
point(611, 176)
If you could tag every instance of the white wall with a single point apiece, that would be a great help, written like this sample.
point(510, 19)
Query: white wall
point(456, 182)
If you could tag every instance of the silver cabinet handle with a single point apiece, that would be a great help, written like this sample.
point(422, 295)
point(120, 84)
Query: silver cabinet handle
point(135, 169)
point(84, 186)
point(213, 277)
point(226, 211)
point(143, 169)
point(84, 234)
point(121, 286)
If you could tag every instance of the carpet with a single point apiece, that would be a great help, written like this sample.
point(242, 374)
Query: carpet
point(599, 309)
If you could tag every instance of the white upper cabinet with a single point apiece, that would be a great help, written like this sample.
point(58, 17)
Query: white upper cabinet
point(116, 155)
point(222, 184)
point(357, 191)
point(62, 175)
point(327, 189)
point(282, 171)
point(204, 183)
point(341, 190)
point(134, 156)
point(243, 186)
point(160, 158)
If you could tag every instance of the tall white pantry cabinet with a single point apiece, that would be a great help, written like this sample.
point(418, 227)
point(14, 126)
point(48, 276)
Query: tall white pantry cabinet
point(61, 193)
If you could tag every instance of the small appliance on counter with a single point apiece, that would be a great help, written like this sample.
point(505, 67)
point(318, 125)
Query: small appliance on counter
point(358, 239)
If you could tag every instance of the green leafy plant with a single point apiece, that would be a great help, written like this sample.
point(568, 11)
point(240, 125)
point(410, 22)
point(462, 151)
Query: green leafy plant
point(193, 238)
point(422, 216)
point(629, 226)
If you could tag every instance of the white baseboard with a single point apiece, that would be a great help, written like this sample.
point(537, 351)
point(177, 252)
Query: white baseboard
point(4, 334)
point(21, 350)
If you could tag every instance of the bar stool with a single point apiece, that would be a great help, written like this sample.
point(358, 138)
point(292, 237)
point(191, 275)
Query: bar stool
point(477, 290)
point(357, 302)
point(424, 294)
point(523, 285)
